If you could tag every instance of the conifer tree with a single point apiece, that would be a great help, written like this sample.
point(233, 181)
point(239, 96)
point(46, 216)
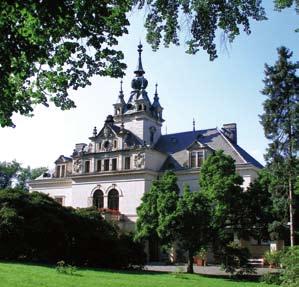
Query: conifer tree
point(281, 123)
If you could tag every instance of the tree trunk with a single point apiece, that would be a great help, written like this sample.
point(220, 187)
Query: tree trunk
point(190, 262)
point(292, 235)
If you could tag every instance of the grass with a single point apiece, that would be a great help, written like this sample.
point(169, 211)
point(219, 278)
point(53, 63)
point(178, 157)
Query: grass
point(28, 275)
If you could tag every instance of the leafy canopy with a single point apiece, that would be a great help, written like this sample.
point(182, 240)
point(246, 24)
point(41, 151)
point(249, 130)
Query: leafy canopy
point(13, 174)
point(50, 47)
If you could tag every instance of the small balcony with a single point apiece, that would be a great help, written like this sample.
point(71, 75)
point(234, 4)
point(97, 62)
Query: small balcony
point(111, 214)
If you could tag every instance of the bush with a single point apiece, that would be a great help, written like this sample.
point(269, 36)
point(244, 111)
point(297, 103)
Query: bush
point(273, 258)
point(34, 227)
point(234, 260)
point(290, 264)
point(63, 268)
point(271, 278)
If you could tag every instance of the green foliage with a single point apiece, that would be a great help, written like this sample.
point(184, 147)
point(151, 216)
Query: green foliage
point(221, 185)
point(273, 257)
point(8, 173)
point(281, 108)
point(147, 213)
point(63, 268)
point(167, 206)
point(36, 228)
point(48, 48)
point(269, 209)
point(156, 214)
point(12, 173)
point(192, 230)
point(271, 278)
point(290, 263)
point(235, 259)
point(281, 127)
point(164, 18)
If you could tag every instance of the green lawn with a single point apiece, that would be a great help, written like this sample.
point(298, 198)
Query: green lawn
point(22, 275)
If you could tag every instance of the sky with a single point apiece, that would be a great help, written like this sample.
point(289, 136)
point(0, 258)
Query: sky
point(226, 90)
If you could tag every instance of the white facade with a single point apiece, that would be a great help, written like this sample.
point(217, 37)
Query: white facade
point(118, 165)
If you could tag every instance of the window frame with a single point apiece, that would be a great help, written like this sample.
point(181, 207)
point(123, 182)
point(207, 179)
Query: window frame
point(127, 163)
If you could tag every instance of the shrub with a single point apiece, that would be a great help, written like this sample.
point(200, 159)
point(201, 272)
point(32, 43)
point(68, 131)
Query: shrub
point(34, 227)
point(63, 268)
point(234, 260)
point(271, 278)
point(273, 258)
point(290, 264)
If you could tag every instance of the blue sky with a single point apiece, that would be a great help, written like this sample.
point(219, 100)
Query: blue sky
point(190, 86)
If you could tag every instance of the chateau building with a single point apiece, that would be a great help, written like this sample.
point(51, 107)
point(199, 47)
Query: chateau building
point(118, 164)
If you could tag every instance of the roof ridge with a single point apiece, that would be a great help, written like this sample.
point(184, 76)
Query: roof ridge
point(189, 132)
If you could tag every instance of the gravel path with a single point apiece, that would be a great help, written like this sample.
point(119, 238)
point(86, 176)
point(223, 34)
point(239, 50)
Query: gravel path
point(206, 270)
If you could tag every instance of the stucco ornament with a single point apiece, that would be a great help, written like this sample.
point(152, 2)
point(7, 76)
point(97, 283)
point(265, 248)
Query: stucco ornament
point(77, 167)
point(106, 132)
point(139, 160)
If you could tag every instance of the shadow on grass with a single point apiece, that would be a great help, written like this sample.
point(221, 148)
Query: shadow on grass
point(185, 276)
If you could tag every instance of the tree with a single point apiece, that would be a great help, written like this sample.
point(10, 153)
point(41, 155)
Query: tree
point(269, 210)
point(167, 207)
point(49, 48)
point(221, 185)
point(147, 214)
point(193, 220)
point(280, 121)
point(13, 174)
point(26, 174)
point(8, 173)
point(229, 210)
point(34, 227)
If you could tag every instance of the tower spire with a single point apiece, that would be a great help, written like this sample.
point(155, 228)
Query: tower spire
point(156, 90)
point(193, 122)
point(139, 69)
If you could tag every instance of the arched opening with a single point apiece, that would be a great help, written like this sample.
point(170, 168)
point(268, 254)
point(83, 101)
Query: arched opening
point(113, 199)
point(98, 199)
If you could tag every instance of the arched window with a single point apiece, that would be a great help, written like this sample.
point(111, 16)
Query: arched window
point(98, 199)
point(113, 199)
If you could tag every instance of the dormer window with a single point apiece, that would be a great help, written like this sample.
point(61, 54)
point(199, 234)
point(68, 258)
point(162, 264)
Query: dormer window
point(61, 170)
point(196, 158)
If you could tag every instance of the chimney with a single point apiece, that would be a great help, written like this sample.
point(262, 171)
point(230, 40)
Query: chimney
point(230, 131)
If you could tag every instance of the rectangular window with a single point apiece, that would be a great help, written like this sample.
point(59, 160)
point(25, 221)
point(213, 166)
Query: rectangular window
point(58, 171)
point(63, 171)
point(106, 164)
point(200, 158)
point(59, 199)
point(114, 164)
point(127, 162)
point(193, 159)
point(115, 144)
point(87, 166)
point(99, 165)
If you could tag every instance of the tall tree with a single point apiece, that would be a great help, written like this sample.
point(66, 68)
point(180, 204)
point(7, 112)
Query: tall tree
point(192, 230)
point(221, 185)
point(167, 207)
point(281, 121)
point(147, 212)
point(50, 47)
